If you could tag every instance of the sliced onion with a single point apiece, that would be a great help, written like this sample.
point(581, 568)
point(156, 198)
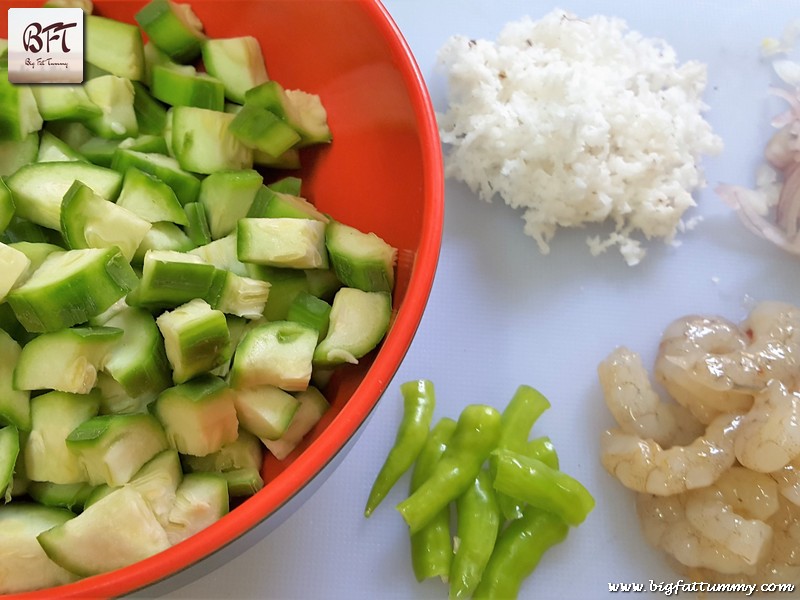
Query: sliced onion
point(737, 198)
point(783, 153)
point(791, 115)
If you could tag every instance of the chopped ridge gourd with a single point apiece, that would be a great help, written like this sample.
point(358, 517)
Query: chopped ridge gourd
point(138, 361)
point(116, 531)
point(25, 564)
point(261, 130)
point(358, 322)
point(222, 254)
point(310, 310)
point(74, 133)
point(201, 500)
point(163, 236)
point(72, 496)
point(245, 452)
point(64, 102)
point(274, 204)
point(171, 278)
point(114, 46)
point(15, 154)
point(242, 296)
point(196, 338)
point(19, 115)
point(13, 265)
point(284, 284)
point(265, 411)
point(287, 185)
point(292, 243)
point(277, 353)
point(112, 448)
point(73, 358)
point(39, 188)
point(243, 482)
point(53, 149)
point(302, 111)
point(22, 230)
point(14, 404)
point(114, 96)
point(36, 252)
point(53, 417)
point(97, 150)
point(173, 28)
point(146, 143)
point(98, 493)
point(227, 197)
point(150, 198)
point(237, 62)
point(288, 160)
point(361, 260)
point(187, 87)
point(199, 416)
point(185, 185)
point(6, 205)
point(197, 224)
point(309, 118)
point(115, 400)
point(71, 287)
point(323, 283)
point(90, 221)
point(313, 406)
point(151, 115)
point(202, 141)
point(157, 481)
point(9, 450)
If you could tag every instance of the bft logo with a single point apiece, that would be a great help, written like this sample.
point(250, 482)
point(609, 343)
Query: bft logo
point(45, 45)
point(32, 36)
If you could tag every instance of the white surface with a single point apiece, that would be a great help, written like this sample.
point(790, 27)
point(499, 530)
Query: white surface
point(501, 314)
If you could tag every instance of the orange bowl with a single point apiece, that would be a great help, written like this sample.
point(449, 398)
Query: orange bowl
point(382, 173)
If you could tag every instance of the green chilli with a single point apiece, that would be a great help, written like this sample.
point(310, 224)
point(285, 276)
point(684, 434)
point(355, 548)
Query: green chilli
point(419, 400)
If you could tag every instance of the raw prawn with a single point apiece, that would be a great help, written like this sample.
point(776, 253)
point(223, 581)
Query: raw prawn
point(701, 364)
point(665, 526)
point(637, 408)
point(774, 328)
point(769, 436)
point(726, 506)
point(782, 565)
point(644, 466)
point(788, 480)
point(732, 512)
point(786, 546)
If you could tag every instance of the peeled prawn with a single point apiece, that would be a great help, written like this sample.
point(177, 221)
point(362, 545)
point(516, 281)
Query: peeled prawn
point(788, 480)
point(755, 495)
point(644, 466)
point(665, 526)
point(786, 546)
point(769, 436)
point(637, 408)
point(774, 328)
point(725, 507)
point(782, 565)
point(732, 513)
point(700, 363)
